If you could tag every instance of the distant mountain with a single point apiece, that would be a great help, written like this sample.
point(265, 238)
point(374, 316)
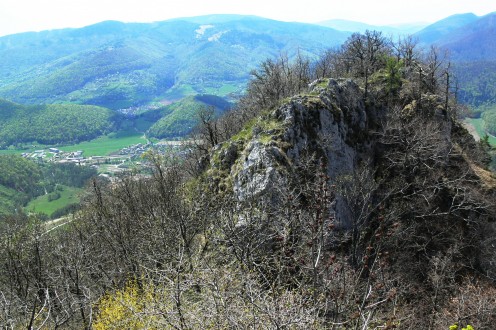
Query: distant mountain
point(467, 36)
point(217, 18)
point(474, 41)
point(353, 26)
point(118, 65)
point(471, 43)
point(473, 50)
point(435, 32)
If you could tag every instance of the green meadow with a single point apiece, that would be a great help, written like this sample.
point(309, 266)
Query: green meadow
point(101, 146)
point(44, 204)
point(105, 145)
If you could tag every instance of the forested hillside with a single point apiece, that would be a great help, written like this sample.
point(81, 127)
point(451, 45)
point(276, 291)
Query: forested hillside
point(50, 124)
point(19, 180)
point(22, 180)
point(118, 65)
point(129, 65)
point(179, 118)
point(358, 201)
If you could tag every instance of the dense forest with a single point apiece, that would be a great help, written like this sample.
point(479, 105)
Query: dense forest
point(21, 180)
point(179, 118)
point(51, 124)
point(477, 79)
point(339, 195)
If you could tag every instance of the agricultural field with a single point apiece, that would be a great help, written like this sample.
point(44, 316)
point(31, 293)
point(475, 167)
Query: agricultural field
point(101, 146)
point(108, 144)
point(48, 204)
point(11, 151)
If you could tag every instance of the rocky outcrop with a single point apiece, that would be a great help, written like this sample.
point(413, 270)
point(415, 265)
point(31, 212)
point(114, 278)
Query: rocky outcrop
point(422, 180)
point(333, 122)
point(258, 174)
point(329, 124)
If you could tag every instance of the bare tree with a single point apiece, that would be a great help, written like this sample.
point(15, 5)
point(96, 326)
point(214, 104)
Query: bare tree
point(364, 52)
point(324, 67)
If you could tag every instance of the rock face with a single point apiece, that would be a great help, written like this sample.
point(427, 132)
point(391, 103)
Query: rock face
point(330, 124)
point(258, 174)
point(333, 122)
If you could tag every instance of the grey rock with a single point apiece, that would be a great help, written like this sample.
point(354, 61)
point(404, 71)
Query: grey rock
point(258, 174)
point(330, 122)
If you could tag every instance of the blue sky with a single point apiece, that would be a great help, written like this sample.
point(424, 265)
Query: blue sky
point(36, 15)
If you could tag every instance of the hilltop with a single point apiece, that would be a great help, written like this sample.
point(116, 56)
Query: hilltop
point(118, 65)
point(353, 26)
point(468, 37)
point(180, 118)
point(440, 29)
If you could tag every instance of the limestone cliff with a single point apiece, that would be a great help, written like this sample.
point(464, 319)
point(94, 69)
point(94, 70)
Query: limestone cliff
point(329, 124)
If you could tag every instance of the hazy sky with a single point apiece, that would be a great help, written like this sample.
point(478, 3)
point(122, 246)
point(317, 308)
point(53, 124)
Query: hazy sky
point(35, 15)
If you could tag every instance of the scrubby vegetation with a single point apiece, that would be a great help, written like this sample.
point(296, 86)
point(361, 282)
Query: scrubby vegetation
point(181, 250)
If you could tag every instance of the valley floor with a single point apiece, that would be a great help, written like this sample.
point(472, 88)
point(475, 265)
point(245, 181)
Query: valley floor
point(474, 126)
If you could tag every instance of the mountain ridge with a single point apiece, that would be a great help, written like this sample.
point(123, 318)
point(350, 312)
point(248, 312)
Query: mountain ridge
point(355, 26)
point(473, 41)
point(150, 59)
point(433, 32)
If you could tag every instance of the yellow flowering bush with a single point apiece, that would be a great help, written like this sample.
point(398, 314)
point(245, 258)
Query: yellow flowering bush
point(455, 327)
point(125, 309)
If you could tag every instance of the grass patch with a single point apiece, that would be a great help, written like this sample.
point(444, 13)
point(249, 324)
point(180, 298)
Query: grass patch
point(43, 204)
point(477, 123)
point(247, 132)
point(108, 144)
point(265, 139)
point(22, 149)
